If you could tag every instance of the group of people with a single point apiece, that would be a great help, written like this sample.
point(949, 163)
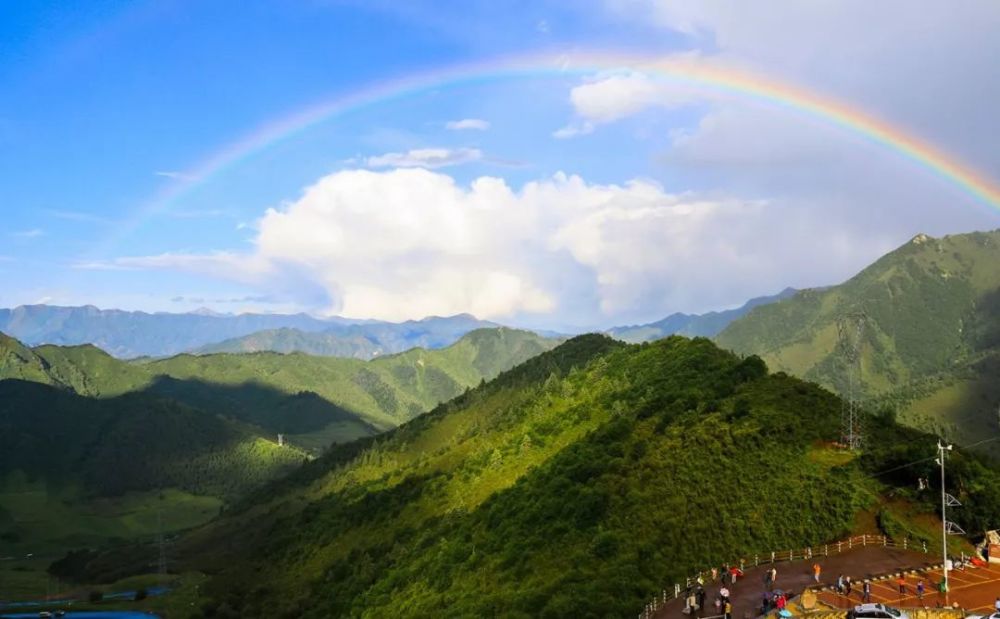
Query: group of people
point(845, 586)
point(694, 596)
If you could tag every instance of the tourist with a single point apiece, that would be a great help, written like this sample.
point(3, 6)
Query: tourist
point(920, 591)
point(774, 575)
point(729, 610)
point(867, 591)
point(782, 602)
point(901, 581)
point(700, 597)
point(734, 572)
point(840, 584)
point(765, 603)
point(847, 586)
point(724, 593)
point(997, 605)
point(816, 571)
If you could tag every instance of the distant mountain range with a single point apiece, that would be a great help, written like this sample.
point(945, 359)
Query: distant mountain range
point(361, 341)
point(931, 342)
point(126, 334)
point(692, 325)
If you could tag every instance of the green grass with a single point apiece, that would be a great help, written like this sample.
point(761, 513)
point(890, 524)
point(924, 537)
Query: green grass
point(47, 520)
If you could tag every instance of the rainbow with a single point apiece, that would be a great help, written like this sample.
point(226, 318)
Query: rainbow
point(705, 77)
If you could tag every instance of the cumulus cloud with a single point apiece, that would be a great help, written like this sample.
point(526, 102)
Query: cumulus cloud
point(425, 158)
point(407, 243)
point(466, 124)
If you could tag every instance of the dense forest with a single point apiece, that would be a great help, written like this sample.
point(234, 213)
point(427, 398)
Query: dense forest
point(566, 487)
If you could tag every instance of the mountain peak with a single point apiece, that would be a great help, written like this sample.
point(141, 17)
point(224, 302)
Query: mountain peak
point(921, 238)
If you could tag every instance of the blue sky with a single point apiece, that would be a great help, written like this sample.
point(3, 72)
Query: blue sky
point(677, 202)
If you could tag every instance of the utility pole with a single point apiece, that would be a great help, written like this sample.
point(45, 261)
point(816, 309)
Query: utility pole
point(947, 528)
point(161, 563)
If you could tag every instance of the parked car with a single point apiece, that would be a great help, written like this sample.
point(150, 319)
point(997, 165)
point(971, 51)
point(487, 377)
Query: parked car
point(876, 611)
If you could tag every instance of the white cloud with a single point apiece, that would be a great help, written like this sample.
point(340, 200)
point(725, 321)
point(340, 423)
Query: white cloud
point(876, 58)
point(33, 233)
point(407, 243)
point(573, 129)
point(466, 124)
point(176, 175)
point(425, 158)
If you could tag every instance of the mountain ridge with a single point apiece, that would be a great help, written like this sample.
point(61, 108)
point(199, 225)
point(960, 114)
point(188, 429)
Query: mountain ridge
point(932, 326)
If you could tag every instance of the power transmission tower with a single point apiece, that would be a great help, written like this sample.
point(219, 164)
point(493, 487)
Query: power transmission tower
point(850, 336)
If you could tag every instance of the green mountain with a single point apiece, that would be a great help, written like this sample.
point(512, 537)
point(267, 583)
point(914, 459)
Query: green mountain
point(361, 341)
point(314, 400)
point(288, 340)
point(564, 487)
point(92, 447)
point(133, 442)
point(932, 337)
point(692, 325)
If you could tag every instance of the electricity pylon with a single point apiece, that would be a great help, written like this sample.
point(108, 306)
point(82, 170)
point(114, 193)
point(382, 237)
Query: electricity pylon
point(850, 336)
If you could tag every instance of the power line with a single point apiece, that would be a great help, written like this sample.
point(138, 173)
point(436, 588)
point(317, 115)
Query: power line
point(932, 458)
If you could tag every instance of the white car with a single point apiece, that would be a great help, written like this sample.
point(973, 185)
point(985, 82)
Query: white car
point(876, 611)
point(995, 615)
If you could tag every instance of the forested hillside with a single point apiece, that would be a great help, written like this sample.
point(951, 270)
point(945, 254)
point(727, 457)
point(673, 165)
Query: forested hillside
point(931, 344)
point(315, 400)
point(563, 488)
point(79, 428)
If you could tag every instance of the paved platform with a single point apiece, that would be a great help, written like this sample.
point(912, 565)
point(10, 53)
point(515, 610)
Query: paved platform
point(974, 589)
point(795, 576)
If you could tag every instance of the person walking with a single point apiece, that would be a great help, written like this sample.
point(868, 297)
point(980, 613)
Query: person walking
point(724, 593)
point(840, 584)
point(847, 586)
point(816, 571)
point(901, 581)
point(782, 602)
point(774, 576)
point(690, 603)
point(866, 591)
point(997, 605)
point(768, 585)
point(728, 610)
point(920, 591)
